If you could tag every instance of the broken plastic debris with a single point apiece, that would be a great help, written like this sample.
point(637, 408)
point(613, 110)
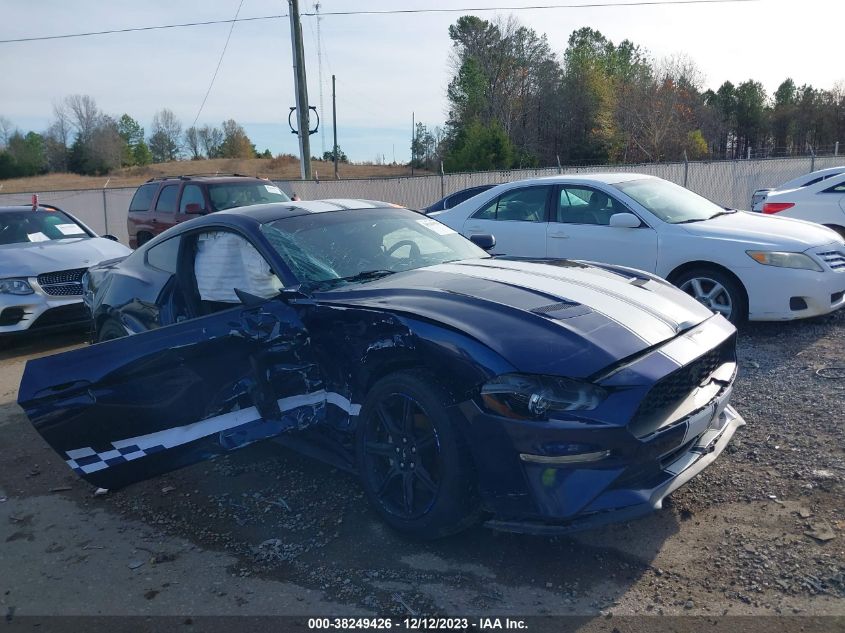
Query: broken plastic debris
point(99, 492)
point(135, 564)
point(167, 489)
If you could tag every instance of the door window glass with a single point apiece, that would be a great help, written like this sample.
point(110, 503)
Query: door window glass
point(584, 205)
point(165, 255)
point(191, 194)
point(518, 205)
point(167, 199)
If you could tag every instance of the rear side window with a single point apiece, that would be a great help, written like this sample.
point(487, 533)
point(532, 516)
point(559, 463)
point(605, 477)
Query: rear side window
point(167, 199)
point(840, 188)
point(517, 205)
point(143, 198)
point(165, 256)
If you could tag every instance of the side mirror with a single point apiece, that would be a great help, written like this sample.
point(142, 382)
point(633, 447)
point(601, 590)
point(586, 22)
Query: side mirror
point(110, 237)
point(483, 240)
point(194, 208)
point(625, 221)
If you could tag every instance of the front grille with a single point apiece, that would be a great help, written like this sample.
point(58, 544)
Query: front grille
point(834, 259)
point(62, 315)
point(62, 282)
point(667, 393)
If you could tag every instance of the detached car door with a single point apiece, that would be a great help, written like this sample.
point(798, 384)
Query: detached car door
point(134, 407)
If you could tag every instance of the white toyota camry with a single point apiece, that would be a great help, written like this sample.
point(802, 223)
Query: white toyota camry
point(43, 254)
point(742, 265)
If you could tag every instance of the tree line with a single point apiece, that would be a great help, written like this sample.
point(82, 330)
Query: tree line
point(513, 102)
point(84, 140)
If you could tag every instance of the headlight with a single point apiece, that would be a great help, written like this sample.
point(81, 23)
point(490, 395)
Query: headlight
point(784, 260)
point(527, 397)
point(15, 287)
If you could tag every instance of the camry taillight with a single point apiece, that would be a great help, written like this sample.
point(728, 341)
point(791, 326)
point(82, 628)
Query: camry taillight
point(777, 207)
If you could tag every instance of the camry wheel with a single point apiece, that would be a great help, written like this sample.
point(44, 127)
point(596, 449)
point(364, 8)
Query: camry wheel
point(717, 291)
point(414, 467)
point(110, 330)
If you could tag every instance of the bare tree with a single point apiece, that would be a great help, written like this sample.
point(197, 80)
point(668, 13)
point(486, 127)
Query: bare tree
point(106, 147)
point(166, 139)
point(193, 143)
point(6, 129)
point(83, 114)
point(211, 139)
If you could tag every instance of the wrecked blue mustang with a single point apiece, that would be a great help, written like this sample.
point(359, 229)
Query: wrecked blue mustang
point(544, 396)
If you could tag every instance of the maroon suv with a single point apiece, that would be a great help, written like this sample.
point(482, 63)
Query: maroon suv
point(164, 202)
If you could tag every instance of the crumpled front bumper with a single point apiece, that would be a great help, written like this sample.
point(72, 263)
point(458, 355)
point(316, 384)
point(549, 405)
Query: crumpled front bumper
point(707, 447)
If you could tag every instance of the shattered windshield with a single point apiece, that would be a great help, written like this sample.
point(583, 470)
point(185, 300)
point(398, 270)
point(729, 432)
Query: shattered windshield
point(354, 245)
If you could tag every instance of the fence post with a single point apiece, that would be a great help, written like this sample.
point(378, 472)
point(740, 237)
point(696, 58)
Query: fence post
point(442, 181)
point(812, 159)
point(836, 148)
point(105, 210)
point(559, 168)
point(686, 168)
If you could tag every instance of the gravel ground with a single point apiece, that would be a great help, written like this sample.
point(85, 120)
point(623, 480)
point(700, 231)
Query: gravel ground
point(761, 532)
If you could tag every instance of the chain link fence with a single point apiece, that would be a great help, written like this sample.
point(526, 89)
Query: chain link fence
point(728, 183)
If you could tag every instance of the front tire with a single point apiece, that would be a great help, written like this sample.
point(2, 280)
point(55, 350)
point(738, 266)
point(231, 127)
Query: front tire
point(414, 466)
point(110, 330)
point(717, 291)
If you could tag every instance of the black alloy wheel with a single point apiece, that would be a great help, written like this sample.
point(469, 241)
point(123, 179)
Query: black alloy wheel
point(413, 465)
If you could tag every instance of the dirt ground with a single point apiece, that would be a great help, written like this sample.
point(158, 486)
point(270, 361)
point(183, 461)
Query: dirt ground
point(279, 168)
point(266, 531)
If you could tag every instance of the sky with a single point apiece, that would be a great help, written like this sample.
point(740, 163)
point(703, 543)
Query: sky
point(388, 67)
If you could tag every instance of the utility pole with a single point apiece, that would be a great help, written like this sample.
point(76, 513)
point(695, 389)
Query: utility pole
point(413, 138)
point(301, 91)
point(334, 125)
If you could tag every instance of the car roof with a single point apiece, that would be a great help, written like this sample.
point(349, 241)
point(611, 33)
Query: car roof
point(278, 210)
point(209, 178)
point(28, 207)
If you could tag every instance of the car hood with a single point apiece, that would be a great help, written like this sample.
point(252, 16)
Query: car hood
point(554, 317)
point(763, 230)
point(33, 259)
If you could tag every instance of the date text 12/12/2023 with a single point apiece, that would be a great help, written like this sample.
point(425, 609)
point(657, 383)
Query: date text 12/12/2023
point(418, 624)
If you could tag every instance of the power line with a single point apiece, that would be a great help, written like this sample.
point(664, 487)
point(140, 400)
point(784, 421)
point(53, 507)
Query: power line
point(593, 5)
point(219, 61)
point(140, 28)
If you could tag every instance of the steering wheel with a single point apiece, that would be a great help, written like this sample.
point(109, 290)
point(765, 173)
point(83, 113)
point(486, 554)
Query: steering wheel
point(413, 254)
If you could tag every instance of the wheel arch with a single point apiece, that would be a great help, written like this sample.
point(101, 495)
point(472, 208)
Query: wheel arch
point(836, 227)
point(687, 266)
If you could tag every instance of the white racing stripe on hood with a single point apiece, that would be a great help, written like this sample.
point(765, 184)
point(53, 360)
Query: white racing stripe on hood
point(627, 309)
point(664, 302)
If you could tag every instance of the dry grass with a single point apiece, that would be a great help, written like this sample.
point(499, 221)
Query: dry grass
point(281, 168)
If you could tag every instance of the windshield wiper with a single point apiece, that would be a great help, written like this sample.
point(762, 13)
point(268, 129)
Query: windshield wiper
point(368, 274)
point(725, 212)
